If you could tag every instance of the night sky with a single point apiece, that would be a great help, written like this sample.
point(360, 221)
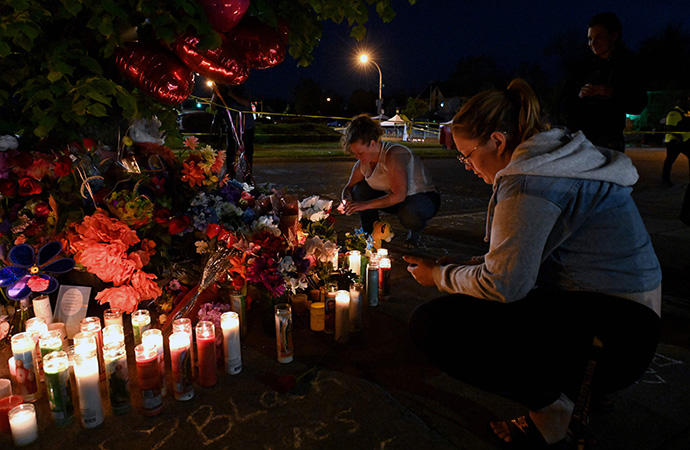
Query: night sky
point(425, 41)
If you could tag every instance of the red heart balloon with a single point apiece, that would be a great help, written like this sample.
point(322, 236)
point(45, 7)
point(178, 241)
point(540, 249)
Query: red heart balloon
point(222, 65)
point(223, 15)
point(156, 72)
point(263, 46)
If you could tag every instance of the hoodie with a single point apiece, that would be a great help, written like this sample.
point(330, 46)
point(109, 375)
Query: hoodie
point(561, 217)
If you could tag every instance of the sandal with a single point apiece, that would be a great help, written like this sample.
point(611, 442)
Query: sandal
point(522, 433)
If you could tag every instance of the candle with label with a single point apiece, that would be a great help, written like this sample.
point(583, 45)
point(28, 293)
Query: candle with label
point(373, 282)
point(342, 306)
point(230, 324)
point(43, 309)
point(153, 337)
point(23, 424)
point(384, 276)
point(56, 368)
point(181, 365)
point(141, 321)
point(184, 325)
point(148, 372)
point(112, 316)
point(60, 327)
point(24, 371)
point(317, 316)
point(334, 259)
point(50, 342)
point(93, 325)
point(283, 318)
point(356, 307)
point(37, 327)
point(354, 258)
point(206, 348)
point(382, 252)
point(238, 303)
point(116, 370)
point(329, 308)
point(86, 374)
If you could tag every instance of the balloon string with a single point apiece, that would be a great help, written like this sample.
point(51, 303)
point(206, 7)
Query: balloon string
point(238, 139)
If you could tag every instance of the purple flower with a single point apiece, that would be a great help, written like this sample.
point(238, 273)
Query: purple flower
point(28, 265)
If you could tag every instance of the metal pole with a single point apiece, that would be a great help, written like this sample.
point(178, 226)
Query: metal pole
point(380, 105)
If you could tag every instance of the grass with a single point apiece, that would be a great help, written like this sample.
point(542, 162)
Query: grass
point(319, 150)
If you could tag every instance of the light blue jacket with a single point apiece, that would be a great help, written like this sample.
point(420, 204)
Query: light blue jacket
point(561, 216)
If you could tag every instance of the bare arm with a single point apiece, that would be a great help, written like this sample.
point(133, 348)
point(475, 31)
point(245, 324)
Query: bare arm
point(355, 177)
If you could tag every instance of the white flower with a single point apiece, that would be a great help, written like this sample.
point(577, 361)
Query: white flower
point(287, 265)
point(314, 208)
point(266, 223)
point(8, 142)
point(294, 284)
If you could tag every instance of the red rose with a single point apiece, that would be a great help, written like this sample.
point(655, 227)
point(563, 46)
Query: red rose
point(42, 209)
point(63, 167)
point(212, 230)
point(28, 186)
point(179, 224)
point(162, 216)
point(8, 188)
point(89, 144)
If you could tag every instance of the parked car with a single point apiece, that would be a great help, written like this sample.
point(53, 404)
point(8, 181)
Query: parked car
point(199, 123)
point(445, 135)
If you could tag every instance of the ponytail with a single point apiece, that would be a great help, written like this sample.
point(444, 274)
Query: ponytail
point(515, 111)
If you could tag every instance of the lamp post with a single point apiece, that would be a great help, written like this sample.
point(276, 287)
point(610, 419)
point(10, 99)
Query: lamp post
point(364, 58)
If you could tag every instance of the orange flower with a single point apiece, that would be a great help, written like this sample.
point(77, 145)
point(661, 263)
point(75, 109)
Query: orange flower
point(192, 174)
point(124, 298)
point(191, 142)
point(145, 286)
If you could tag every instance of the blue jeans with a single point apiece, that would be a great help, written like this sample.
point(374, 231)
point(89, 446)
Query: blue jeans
point(413, 212)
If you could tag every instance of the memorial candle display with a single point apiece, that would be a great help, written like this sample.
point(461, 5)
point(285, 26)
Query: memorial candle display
point(317, 316)
point(141, 321)
point(181, 365)
point(373, 282)
point(356, 307)
point(93, 325)
point(238, 303)
point(284, 349)
point(184, 325)
point(206, 349)
point(230, 324)
point(148, 372)
point(354, 262)
point(384, 276)
point(56, 369)
point(37, 327)
point(153, 337)
point(6, 405)
point(116, 370)
point(43, 309)
point(23, 424)
point(342, 306)
point(112, 316)
point(86, 375)
point(24, 370)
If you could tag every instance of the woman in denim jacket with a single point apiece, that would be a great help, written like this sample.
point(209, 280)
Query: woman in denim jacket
point(569, 261)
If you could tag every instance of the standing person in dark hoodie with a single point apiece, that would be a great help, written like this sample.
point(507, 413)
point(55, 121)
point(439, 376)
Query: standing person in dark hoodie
point(604, 88)
point(569, 260)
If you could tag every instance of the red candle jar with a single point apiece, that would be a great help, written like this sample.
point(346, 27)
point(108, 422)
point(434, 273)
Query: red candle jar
point(148, 372)
point(7, 403)
point(206, 350)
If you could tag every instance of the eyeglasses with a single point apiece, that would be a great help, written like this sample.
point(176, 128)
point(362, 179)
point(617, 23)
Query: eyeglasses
point(465, 159)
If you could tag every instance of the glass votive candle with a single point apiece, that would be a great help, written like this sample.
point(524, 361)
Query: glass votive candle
point(112, 316)
point(230, 324)
point(153, 337)
point(37, 327)
point(317, 316)
point(6, 404)
point(141, 321)
point(184, 325)
point(24, 368)
point(181, 365)
point(283, 318)
point(342, 308)
point(5, 387)
point(382, 252)
point(56, 368)
point(23, 424)
point(84, 341)
point(206, 347)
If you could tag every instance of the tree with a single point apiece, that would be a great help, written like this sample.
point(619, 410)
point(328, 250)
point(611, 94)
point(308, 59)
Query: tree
point(308, 96)
point(57, 77)
point(415, 107)
point(361, 101)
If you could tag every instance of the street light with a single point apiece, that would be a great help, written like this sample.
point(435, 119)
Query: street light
point(364, 58)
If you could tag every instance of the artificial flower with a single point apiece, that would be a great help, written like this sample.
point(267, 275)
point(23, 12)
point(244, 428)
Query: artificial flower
point(29, 186)
point(21, 278)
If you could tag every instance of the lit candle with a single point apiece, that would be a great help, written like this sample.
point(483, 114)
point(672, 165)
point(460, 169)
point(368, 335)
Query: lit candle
point(382, 252)
point(112, 316)
point(181, 365)
point(141, 321)
point(116, 370)
point(230, 324)
point(329, 308)
point(354, 259)
point(93, 325)
point(148, 371)
point(37, 327)
point(25, 375)
point(238, 303)
point(384, 276)
point(59, 326)
point(56, 368)
point(153, 337)
point(42, 308)
point(50, 342)
point(206, 347)
point(299, 304)
point(6, 405)
point(184, 325)
point(283, 316)
point(23, 424)
point(86, 374)
point(356, 307)
point(342, 305)
point(373, 282)
point(334, 260)
point(5, 387)
point(317, 317)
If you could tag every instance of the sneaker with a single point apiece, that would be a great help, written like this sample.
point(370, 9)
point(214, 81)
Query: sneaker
point(413, 239)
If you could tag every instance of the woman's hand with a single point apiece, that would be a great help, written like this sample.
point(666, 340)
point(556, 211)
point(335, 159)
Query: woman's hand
point(421, 269)
point(592, 90)
point(352, 207)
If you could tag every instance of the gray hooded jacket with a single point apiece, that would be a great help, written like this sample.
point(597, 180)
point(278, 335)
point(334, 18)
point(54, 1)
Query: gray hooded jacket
point(561, 216)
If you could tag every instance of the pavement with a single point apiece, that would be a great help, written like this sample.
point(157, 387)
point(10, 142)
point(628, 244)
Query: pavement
point(376, 391)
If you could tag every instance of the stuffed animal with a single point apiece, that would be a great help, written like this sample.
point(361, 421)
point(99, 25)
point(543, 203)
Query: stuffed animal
point(382, 232)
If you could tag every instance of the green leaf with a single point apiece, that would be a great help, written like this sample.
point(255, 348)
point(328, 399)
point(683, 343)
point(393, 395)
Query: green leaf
point(4, 49)
point(54, 76)
point(96, 110)
point(358, 32)
point(72, 6)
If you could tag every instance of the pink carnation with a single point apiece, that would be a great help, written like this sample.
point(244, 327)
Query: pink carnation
point(100, 227)
point(145, 286)
point(125, 298)
point(38, 284)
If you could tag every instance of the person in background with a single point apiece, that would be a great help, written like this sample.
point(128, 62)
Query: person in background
point(569, 263)
point(606, 87)
point(677, 142)
point(239, 99)
point(388, 177)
